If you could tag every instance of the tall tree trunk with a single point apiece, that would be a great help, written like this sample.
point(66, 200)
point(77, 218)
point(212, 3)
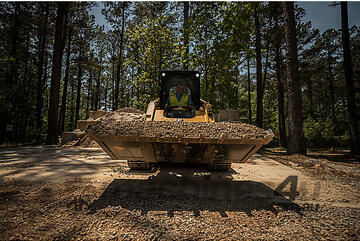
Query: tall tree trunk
point(92, 102)
point(113, 83)
point(89, 92)
point(78, 87)
point(259, 81)
point(266, 58)
point(332, 90)
point(66, 81)
point(296, 143)
point(105, 95)
point(249, 88)
point(45, 77)
point(311, 100)
point(266, 67)
point(281, 102)
point(21, 125)
point(52, 136)
point(349, 82)
point(264, 83)
point(98, 80)
point(12, 74)
point(40, 83)
point(280, 86)
point(186, 35)
point(119, 65)
point(72, 106)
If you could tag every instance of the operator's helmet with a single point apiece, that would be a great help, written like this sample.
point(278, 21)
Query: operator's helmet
point(174, 89)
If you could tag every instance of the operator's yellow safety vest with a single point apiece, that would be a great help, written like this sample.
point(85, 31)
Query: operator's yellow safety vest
point(182, 103)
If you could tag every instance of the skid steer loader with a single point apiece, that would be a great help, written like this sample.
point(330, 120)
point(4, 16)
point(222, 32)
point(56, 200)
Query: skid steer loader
point(143, 150)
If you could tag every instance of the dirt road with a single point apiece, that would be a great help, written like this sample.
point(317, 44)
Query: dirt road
point(80, 193)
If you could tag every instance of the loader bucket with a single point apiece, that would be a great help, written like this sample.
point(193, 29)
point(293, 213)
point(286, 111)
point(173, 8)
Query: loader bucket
point(151, 149)
point(131, 137)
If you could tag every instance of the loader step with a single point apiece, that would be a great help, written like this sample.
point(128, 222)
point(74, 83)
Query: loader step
point(139, 165)
point(219, 166)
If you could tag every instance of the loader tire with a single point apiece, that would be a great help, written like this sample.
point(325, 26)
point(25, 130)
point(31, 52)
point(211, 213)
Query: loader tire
point(139, 165)
point(219, 166)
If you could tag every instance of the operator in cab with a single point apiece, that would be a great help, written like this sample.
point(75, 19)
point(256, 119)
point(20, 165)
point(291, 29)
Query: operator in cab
point(179, 105)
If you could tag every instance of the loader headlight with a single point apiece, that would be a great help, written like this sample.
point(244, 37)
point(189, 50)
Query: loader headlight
point(163, 74)
point(197, 75)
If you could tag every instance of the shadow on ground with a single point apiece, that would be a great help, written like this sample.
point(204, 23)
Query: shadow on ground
point(184, 190)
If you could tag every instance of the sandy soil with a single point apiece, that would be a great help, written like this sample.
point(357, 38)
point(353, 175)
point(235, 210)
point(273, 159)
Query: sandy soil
point(54, 193)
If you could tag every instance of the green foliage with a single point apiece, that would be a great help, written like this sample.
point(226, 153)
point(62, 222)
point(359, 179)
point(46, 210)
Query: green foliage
point(312, 132)
point(221, 40)
point(323, 134)
point(152, 46)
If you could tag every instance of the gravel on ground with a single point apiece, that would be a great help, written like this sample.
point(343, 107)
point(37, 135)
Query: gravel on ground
point(345, 172)
point(53, 193)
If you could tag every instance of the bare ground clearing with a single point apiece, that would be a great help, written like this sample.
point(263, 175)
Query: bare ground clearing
point(80, 193)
